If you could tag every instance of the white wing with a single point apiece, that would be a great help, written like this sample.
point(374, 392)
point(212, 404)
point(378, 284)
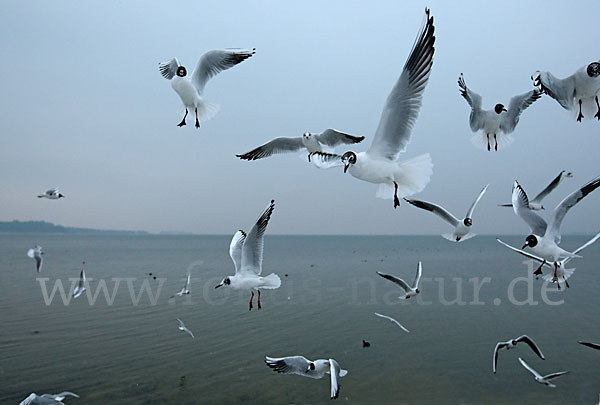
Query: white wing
point(436, 209)
point(334, 371)
point(553, 184)
point(418, 275)
point(472, 207)
point(252, 250)
point(532, 371)
point(403, 103)
point(565, 205)
point(562, 90)
point(332, 137)
point(389, 318)
point(396, 280)
point(516, 106)
point(187, 283)
point(214, 62)
point(580, 248)
point(526, 254)
point(277, 145)
point(521, 207)
point(80, 285)
point(532, 345)
point(169, 70)
point(477, 117)
point(290, 365)
point(60, 396)
point(325, 160)
point(235, 249)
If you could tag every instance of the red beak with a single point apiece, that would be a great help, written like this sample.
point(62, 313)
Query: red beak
point(524, 246)
point(217, 286)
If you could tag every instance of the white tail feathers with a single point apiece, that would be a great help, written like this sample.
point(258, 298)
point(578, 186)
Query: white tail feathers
point(452, 238)
point(271, 282)
point(562, 275)
point(207, 110)
point(480, 141)
point(411, 176)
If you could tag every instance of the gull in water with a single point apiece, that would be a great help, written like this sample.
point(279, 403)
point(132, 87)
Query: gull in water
point(499, 122)
point(52, 194)
point(80, 288)
point(186, 288)
point(246, 251)
point(191, 88)
point(300, 365)
point(389, 318)
point(36, 253)
point(562, 273)
point(576, 92)
point(183, 328)
point(589, 344)
point(379, 164)
point(47, 399)
point(543, 240)
point(309, 141)
point(462, 229)
point(536, 203)
point(511, 344)
point(542, 379)
point(410, 291)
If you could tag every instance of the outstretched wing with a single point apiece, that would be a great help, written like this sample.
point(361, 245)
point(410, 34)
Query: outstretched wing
point(214, 62)
point(472, 207)
point(476, 119)
point(562, 90)
point(332, 137)
point(290, 365)
point(499, 346)
point(235, 249)
point(334, 371)
point(403, 103)
point(169, 69)
point(436, 209)
point(554, 375)
point(516, 106)
point(531, 344)
point(252, 250)
point(277, 145)
point(389, 318)
point(553, 184)
point(325, 160)
point(528, 367)
point(526, 254)
point(396, 280)
point(589, 344)
point(520, 204)
point(418, 275)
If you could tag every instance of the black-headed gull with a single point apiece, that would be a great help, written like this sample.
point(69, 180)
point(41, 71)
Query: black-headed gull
point(379, 163)
point(47, 399)
point(536, 203)
point(590, 344)
point(52, 194)
point(462, 228)
point(36, 253)
point(309, 141)
point(542, 379)
point(300, 365)
point(191, 88)
point(389, 318)
point(498, 123)
point(80, 288)
point(186, 288)
point(246, 251)
point(562, 273)
point(576, 92)
point(543, 240)
point(183, 328)
point(410, 291)
point(511, 344)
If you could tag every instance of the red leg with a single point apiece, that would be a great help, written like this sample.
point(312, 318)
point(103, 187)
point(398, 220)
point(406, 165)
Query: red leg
point(580, 116)
point(182, 123)
point(251, 298)
point(197, 122)
point(396, 199)
point(259, 299)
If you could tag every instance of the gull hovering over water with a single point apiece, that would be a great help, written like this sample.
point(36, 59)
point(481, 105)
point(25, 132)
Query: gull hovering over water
point(36, 253)
point(462, 228)
point(80, 288)
point(300, 365)
point(191, 88)
point(186, 288)
point(410, 291)
point(578, 91)
point(309, 141)
point(543, 240)
point(379, 163)
point(47, 399)
point(511, 344)
point(52, 194)
point(536, 203)
point(498, 122)
point(389, 318)
point(246, 251)
point(183, 328)
point(542, 379)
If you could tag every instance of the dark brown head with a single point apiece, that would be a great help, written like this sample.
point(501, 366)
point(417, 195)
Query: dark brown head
point(530, 241)
point(593, 69)
point(468, 222)
point(348, 158)
point(499, 108)
point(181, 71)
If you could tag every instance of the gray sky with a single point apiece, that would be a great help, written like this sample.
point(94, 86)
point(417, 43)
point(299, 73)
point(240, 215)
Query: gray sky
point(84, 108)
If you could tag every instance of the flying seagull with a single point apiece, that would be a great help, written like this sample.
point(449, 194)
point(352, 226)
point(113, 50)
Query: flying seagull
point(536, 203)
point(246, 251)
point(52, 194)
point(511, 344)
point(191, 88)
point(542, 379)
point(498, 123)
point(410, 291)
point(183, 328)
point(186, 288)
point(80, 288)
point(36, 253)
point(462, 229)
point(300, 365)
point(47, 399)
point(389, 318)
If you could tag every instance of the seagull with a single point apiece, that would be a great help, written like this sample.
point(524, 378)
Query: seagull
point(81, 285)
point(498, 122)
point(543, 240)
point(578, 90)
point(536, 203)
point(511, 344)
point(410, 291)
point(246, 251)
point(191, 88)
point(300, 365)
point(186, 288)
point(46, 399)
point(562, 273)
point(389, 318)
point(545, 379)
point(589, 344)
point(462, 228)
point(36, 253)
point(183, 328)
point(379, 163)
point(52, 194)
point(309, 141)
